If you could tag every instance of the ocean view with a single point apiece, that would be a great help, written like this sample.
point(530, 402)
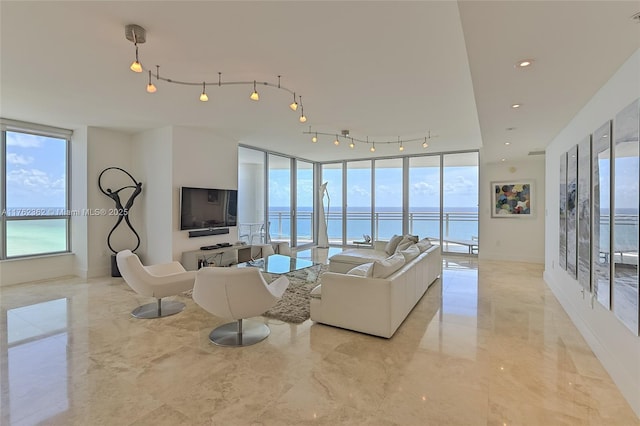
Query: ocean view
point(47, 236)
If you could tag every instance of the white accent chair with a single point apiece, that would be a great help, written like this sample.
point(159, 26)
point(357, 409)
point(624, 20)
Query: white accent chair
point(162, 280)
point(237, 293)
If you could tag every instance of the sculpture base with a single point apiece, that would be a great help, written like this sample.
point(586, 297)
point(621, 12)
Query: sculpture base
point(115, 272)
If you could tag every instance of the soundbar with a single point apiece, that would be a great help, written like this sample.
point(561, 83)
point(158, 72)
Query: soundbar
point(206, 232)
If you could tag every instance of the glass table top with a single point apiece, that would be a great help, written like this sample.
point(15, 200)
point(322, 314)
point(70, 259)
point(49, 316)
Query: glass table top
point(278, 264)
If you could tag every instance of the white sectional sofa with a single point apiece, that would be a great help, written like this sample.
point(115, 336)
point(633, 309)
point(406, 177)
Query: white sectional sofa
point(372, 305)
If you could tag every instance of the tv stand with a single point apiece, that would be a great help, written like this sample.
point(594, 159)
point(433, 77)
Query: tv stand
point(222, 256)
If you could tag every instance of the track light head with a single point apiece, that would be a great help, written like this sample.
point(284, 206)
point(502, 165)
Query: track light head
point(203, 96)
point(254, 95)
point(135, 34)
point(151, 88)
point(294, 105)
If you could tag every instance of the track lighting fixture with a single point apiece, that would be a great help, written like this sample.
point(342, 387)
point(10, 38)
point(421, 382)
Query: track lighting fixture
point(137, 35)
point(136, 66)
point(203, 96)
point(254, 95)
point(303, 118)
point(150, 87)
point(352, 141)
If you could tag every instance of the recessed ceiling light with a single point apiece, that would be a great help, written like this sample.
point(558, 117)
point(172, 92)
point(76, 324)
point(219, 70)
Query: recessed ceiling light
point(503, 160)
point(507, 143)
point(516, 106)
point(524, 63)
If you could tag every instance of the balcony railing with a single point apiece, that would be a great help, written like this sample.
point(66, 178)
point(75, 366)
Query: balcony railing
point(459, 225)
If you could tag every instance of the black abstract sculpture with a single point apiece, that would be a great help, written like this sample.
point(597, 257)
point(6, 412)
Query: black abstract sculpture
point(120, 210)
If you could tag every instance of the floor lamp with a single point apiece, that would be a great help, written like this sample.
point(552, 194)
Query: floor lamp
point(323, 238)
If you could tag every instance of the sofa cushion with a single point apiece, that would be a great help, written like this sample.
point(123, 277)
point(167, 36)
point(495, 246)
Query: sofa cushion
point(391, 246)
point(410, 253)
point(364, 270)
point(424, 245)
point(384, 268)
point(358, 256)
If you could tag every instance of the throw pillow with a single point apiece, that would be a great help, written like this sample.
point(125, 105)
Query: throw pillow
point(384, 268)
point(404, 245)
point(391, 246)
point(410, 253)
point(363, 270)
point(424, 245)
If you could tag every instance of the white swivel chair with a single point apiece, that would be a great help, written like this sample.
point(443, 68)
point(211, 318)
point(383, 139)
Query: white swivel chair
point(237, 293)
point(162, 280)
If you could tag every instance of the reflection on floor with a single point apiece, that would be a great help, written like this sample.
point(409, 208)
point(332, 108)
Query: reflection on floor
point(487, 344)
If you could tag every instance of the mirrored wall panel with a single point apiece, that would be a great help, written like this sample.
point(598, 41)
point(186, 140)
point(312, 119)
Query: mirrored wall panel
point(584, 213)
point(626, 203)
point(601, 254)
point(562, 258)
point(572, 211)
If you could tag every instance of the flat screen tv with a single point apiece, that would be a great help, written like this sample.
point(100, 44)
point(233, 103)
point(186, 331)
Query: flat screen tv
point(203, 208)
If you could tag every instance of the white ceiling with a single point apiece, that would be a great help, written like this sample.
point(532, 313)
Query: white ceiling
point(380, 69)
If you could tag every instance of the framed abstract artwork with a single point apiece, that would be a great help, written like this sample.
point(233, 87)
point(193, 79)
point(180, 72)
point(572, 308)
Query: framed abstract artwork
point(572, 211)
point(512, 199)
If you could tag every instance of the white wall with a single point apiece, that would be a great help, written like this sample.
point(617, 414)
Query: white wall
point(616, 347)
point(201, 158)
point(515, 239)
point(153, 162)
point(107, 148)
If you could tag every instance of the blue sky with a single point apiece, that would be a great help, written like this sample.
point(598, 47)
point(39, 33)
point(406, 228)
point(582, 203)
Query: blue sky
point(460, 188)
point(36, 171)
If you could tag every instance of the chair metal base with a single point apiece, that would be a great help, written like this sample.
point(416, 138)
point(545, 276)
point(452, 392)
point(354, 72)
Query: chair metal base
point(240, 333)
point(158, 310)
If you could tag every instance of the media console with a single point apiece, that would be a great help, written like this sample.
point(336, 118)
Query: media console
point(218, 256)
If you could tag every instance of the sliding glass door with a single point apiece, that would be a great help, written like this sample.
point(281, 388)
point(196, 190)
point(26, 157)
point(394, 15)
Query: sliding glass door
point(279, 217)
point(359, 203)
point(460, 203)
point(388, 212)
point(332, 175)
point(424, 197)
point(305, 191)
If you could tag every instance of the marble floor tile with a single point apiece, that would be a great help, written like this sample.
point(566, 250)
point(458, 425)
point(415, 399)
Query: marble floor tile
point(478, 349)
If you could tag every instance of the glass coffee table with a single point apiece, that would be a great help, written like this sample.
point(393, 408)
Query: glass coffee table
point(278, 264)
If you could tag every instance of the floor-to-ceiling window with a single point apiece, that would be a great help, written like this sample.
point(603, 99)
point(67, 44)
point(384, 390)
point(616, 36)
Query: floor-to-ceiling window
point(275, 198)
point(388, 214)
point(424, 196)
point(332, 174)
point(359, 201)
point(433, 196)
point(34, 190)
point(460, 202)
point(251, 195)
point(279, 196)
point(304, 202)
